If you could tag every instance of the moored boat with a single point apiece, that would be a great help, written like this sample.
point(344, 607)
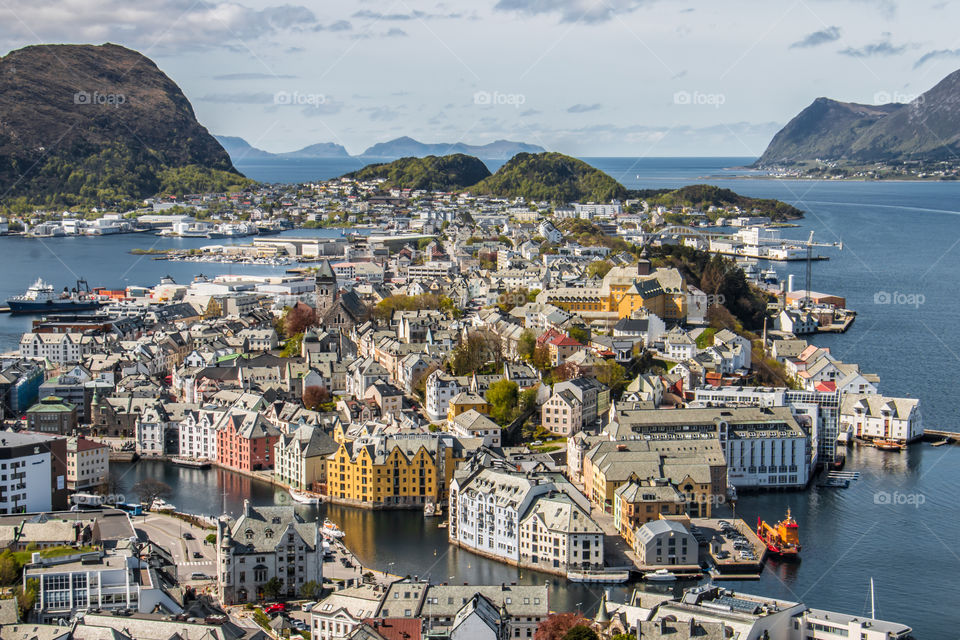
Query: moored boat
point(160, 504)
point(192, 464)
point(660, 575)
point(41, 298)
point(783, 538)
point(303, 497)
point(888, 445)
point(331, 529)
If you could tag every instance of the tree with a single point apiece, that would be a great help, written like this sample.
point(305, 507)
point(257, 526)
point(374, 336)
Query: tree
point(527, 344)
point(598, 268)
point(503, 396)
point(314, 396)
point(541, 357)
point(271, 588)
point(9, 568)
point(211, 538)
point(420, 382)
point(29, 597)
point(556, 626)
point(611, 374)
point(474, 352)
point(310, 589)
point(624, 636)
point(581, 632)
point(293, 346)
point(564, 372)
point(151, 489)
point(580, 334)
point(299, 318)
point(528, 398)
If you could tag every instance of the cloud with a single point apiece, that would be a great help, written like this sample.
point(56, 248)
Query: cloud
point(936, 55)
point(339, 25)
point(389, 33)
point(584, 108)
point(585, 11)
point(817, 38)
point(253, 76)
point(876, 49)
point(238, 98)
point(158, 25)
point(413, 15)
point(529, 112)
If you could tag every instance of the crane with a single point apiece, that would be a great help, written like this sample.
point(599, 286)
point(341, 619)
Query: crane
point(807, 300)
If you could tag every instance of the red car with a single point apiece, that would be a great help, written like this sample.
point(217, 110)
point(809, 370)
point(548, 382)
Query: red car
point(275, 608)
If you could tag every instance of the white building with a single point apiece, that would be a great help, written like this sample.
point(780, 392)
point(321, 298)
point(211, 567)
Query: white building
point(60, 348)
point(198, 434)
point(27, 482)
point(337, 615)
point(879, 417)
point(88, 463)
point(440, 387)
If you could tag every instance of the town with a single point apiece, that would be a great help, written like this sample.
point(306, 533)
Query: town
point(580, 390)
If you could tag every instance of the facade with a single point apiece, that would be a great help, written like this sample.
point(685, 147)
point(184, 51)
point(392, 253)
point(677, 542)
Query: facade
point(198, 434)
point(594, 397)
point(665, 543)
point(33, 472)
point(300, 458)
point(88, 463)
point(562, 413)
point(473, 424)
point(263, 543)
point(440, 388)
point(52, 415)
point(636, 503)
point(881, 418)
point(340, 613)
point(245, 441)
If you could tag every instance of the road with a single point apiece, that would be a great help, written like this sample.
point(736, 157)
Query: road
point(190, 556)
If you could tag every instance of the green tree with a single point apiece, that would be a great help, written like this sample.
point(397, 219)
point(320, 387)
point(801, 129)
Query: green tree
point(611, 374)
point(211, 538)
point(310, 589)
point(504, 397)
point(9, 568)
point(598, 268)
point(271, 588)
point(624, 636)
point(527, 344)
point(581, 632)
point(580, 334)
point(291, 348)
point(541, 358)
point(28, 598)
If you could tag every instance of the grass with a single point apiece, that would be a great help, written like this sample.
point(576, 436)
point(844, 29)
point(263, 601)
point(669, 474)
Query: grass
point(705, 339)
point(23, 557)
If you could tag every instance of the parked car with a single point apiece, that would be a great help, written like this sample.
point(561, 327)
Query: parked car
point(299, 625)
point(197, 554)
point(188, 536)
point(199, 575)
point(277, 607)
point(307, 606)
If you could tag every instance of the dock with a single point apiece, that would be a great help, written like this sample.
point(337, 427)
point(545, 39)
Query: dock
point(710, 535)
point(939, 437)
point(846, 321)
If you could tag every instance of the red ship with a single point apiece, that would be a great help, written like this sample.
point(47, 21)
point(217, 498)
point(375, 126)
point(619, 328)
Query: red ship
point(783, 538)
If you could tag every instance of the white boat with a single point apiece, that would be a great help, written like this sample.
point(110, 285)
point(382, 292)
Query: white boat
point(303, 498)
point(660, 575)
point(160, 504)
point(429, 510)
point(331, 529)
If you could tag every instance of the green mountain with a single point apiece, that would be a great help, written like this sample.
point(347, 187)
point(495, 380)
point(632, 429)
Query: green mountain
point(927, 129)
point(553, 177)
point(85, 124)
point(433, 173)
point(703, 196)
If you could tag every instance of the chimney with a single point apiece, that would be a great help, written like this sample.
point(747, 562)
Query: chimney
point(247, 510)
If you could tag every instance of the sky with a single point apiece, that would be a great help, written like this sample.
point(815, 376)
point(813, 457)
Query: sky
point(642, 78)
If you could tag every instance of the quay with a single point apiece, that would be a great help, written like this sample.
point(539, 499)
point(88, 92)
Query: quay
point(939, 437)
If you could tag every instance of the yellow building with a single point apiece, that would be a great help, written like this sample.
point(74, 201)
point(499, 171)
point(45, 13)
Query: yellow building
point(636, 503)
point(397, 472)
point(463, 402)
point(623, 291)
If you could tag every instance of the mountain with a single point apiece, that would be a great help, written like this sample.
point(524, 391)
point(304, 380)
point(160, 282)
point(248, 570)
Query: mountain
point(433, 173)
point(240, 150)
point(553, 177)
point(926, 129)
point(704, 196)
point(408, 147)
point(84, 124)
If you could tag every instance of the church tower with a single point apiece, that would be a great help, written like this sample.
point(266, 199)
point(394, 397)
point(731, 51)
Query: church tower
point(325, 287)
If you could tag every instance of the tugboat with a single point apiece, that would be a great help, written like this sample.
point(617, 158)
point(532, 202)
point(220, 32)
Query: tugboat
point(783, 538)
point(41, 298)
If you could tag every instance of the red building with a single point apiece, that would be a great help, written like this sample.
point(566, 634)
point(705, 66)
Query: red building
point(245, 442)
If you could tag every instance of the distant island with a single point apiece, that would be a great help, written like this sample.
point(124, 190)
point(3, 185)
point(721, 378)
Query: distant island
point(705, 196)
point(433, 173)
point(403, 147)
point(916, 139)
point(86, 124)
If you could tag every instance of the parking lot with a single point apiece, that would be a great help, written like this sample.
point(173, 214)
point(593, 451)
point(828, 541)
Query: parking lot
point(732, 544)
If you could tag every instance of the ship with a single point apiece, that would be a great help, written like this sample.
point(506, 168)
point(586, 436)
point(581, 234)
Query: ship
point(41, 298)
point(888, 445)
point(303, 497)
point(331, 530)
point(783, 538)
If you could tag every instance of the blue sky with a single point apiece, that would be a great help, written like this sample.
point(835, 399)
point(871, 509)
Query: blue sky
point(585, 77)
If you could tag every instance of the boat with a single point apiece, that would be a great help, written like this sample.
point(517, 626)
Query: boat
point(159, 504)
point(192, 464)
point(783, 538)
point(660, 575)
point(41, 298)
point(942, 442)
point(302, 497)
point(888, 445)
point(331, 529)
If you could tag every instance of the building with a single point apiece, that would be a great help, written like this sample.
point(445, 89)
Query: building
point(473, 424)
point(637, 502)
point(465, 401)
point(594, 397)
point(52, 415)
point(558, 535)
point(198, 434)
point(245, 441)
point(393, 471)
point(439, 388)
point(108, 579)
point(874, 417)
point(263, 543)
point(33, 472)
point(666, 542)
point(343, 611)
point(300, 458)
point(562, 413)
point(88, 464)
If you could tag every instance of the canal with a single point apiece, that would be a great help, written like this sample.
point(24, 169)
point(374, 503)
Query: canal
point(896, 524)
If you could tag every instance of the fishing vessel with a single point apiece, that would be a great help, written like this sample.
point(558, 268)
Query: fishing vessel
point(302, 497)
point(888, 445)
point(660, 575)
point(783, 538)
point(331, 529)
point(41, 298)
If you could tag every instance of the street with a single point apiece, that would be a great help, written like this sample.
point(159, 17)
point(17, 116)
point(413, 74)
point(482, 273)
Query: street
point(168, 532)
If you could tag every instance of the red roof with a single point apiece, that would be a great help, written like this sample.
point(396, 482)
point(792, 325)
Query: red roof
point(396, 628)
point(827, 387)
point(565, 341)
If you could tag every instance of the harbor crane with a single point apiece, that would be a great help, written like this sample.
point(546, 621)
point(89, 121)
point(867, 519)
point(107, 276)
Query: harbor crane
point(807, 300)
